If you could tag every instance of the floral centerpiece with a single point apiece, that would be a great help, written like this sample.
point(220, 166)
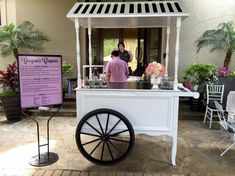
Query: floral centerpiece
point(156, 71)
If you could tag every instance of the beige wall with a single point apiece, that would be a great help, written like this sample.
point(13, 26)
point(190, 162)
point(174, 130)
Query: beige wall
point(204, 15)
point(49, 16)
point(10, 18)
point(10, 11)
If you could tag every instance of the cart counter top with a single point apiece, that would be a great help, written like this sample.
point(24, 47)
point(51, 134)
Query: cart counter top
point(140, 87)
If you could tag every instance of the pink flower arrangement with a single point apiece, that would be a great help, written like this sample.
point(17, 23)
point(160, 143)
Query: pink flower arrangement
point(156, 69)
point(187, 84)
point(223, 71)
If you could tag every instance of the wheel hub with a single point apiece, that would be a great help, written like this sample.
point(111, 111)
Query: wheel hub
point(105, 137)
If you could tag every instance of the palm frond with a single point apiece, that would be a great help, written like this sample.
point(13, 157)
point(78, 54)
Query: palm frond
point(33, 40)
point(24, 26)
point(210, 37)
point(23, 36)
point(227, 27)
point(6, 49)
point(6, 33)
point(221, 39)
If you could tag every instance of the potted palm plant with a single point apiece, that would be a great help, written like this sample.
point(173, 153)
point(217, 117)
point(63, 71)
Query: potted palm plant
point(9, 96)
point(222, 39)
point(12, 39)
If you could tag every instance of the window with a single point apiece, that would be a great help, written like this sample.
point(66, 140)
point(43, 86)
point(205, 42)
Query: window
point(110, 41)
point(2, 12)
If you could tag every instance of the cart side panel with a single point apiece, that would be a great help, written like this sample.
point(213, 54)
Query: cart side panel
point(149, 113)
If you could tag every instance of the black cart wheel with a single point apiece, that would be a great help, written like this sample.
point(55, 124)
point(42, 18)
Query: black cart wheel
point(105, 137)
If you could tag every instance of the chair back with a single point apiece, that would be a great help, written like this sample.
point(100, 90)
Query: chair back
point(220, 112)
point(214, 93)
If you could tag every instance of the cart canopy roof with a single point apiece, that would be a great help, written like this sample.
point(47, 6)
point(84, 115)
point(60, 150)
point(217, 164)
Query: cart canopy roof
point(127, 14)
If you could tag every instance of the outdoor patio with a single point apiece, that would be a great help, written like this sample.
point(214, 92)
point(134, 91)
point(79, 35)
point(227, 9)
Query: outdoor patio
point(197, 152)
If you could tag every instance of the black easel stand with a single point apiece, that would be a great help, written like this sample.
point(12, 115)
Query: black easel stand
point(47, 158)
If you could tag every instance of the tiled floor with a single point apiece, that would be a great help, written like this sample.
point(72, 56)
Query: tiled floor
point(197, 153)
point(59, 172)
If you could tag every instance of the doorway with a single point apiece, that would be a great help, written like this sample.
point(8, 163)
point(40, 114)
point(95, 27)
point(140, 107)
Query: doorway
point(143, 44)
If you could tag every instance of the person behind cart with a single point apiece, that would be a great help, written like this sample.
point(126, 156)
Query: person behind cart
point(123, 54)
point(117, 69)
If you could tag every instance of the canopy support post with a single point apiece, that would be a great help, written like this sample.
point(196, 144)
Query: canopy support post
point(168, 30)
point(178, 25)
point(90, 52)
point(78, 53)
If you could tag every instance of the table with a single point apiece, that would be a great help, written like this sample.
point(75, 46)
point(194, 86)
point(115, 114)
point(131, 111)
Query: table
point(230, 106)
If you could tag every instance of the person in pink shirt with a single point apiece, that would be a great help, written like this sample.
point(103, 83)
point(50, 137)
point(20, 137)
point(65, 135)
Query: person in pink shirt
point(117, 70)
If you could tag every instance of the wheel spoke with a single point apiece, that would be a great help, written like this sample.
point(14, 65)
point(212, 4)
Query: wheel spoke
point(123, 131)
point(105, 136)
point(93, 127)
point(110, 152)
point(107, 123)
point(114, 126)
point(102, 152)
point(99, 124)
point(91, 141)
point(95, 148)
point(119, 140)
point(115, 147)
point(89, 134)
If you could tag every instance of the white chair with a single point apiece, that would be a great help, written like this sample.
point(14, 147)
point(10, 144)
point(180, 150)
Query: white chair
point(228, 127)
point(213, 93)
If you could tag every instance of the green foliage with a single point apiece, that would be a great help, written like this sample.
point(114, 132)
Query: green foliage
point(198, 75)
point(109, 46)
point(232, 73)
point(7, 93)
point(13, 38)
point(222, 39)
point(23, 36)
point(67, 69)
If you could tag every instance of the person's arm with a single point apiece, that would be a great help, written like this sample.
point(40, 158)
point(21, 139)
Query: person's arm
point(107, 77)
point(127, 70)
point(108, 72)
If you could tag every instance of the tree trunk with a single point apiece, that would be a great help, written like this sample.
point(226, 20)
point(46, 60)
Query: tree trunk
point(15, 52)
point(227, 59)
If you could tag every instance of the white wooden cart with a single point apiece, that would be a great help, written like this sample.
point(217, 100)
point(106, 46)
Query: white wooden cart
point(110, 117)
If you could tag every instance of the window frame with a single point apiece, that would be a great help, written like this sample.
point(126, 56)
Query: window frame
point(2, 13)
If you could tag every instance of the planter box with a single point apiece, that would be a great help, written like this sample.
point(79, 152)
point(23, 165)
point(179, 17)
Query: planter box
point(196, 105)
point(229, 85)
point(11, 106)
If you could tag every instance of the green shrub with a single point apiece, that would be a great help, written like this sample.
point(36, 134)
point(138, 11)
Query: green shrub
point(198, 75)
point(67, 69)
